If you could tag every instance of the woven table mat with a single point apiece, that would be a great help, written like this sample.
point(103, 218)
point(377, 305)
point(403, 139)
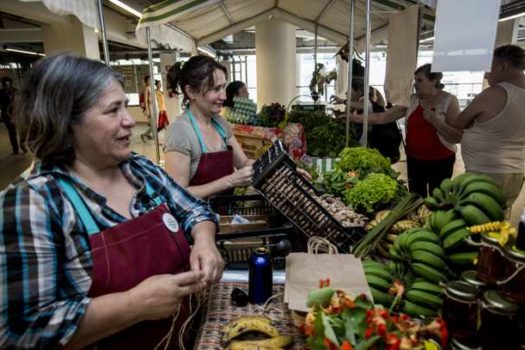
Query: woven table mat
point(220, 311)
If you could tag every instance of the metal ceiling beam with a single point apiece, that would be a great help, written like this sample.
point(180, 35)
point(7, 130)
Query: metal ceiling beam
point(236, 27)
point(309, 25)
point(323, 11)
point(226, 12)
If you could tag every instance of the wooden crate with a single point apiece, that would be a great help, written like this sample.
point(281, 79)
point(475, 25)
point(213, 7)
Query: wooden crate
point(253, 146)
point(259, 222)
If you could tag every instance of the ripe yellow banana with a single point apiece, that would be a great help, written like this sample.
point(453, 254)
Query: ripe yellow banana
point(271, 343)
point(248, 324)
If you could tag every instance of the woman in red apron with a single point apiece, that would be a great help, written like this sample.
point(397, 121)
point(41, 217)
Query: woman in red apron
point(200, 151)
point(95, 240)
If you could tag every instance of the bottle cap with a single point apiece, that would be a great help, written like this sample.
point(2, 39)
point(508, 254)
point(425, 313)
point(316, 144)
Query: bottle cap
point(461, 290)
point(495, 302)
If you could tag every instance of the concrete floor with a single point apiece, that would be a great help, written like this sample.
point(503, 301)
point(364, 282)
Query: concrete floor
point(13, 165)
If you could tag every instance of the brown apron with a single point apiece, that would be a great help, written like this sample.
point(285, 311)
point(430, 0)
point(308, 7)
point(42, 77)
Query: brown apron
point(128, 253)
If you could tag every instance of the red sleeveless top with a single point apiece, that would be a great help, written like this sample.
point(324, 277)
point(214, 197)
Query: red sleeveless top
point(422, 141)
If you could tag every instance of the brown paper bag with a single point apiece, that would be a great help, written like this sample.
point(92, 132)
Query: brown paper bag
point(304, 270)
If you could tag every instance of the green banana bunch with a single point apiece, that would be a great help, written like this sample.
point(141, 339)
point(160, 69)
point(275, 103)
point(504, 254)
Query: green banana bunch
point(474, 196)
point(380, 279)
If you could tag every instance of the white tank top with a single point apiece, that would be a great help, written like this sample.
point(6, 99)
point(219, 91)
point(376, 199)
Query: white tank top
point(498, 144)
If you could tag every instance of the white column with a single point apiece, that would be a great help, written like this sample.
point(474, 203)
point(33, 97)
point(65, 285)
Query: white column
point(71, 35)
point(275, 54)
point(507, 32)
point(172, 103)
point(342, 77)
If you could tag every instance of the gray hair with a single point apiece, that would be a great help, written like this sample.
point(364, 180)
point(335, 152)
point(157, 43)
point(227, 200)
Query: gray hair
point(55, 94)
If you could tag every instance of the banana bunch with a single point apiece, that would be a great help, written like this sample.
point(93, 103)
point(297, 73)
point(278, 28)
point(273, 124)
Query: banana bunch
point(380, 215)
point(476, 197)
point(257, 324)
point(380, 279)
point(422, 249)
point(423, 298)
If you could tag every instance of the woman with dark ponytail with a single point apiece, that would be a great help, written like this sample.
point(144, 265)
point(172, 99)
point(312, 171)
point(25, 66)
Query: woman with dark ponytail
point(430, 141)
point(201, 152)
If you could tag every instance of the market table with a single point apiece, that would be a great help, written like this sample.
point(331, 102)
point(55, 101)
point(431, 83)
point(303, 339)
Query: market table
point(220, 311)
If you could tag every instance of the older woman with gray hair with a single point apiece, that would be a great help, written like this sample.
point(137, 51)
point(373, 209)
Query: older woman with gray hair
point(94, 240)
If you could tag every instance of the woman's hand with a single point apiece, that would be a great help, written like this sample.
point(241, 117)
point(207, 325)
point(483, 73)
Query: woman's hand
point(159, 296)
point(337, 100)
point(205, 257)
point(431, 115)
point(305, 174)
point(241, 177)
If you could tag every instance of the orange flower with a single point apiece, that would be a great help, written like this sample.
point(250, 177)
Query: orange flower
point(346, 345)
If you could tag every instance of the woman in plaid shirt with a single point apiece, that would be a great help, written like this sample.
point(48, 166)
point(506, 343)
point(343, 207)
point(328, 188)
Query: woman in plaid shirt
point(94, 240)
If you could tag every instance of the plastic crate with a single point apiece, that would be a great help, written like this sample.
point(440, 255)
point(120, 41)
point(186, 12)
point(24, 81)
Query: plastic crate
point(277, 179)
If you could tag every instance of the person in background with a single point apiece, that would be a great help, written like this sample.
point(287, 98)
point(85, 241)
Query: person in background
point(386, 138)
point(145, 104)
point(162, 120)
point(238, 107)
point(235, 89)
point(95, 239)
point(493, 124)
point(430, 140)
point(7, 98)
point(201, 152)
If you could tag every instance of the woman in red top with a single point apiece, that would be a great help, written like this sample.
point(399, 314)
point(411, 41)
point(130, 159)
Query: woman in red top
point(430, 148)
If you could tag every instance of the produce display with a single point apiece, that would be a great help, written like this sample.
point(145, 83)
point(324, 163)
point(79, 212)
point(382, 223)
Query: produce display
point(253, 333)
point(325, 136)
point(364, 179)
point(338, 321)
point(435, 246)
point(342, 213)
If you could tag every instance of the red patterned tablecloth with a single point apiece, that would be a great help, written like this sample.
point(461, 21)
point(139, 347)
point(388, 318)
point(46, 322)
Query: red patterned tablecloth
point(220, 311)
point(292, 136)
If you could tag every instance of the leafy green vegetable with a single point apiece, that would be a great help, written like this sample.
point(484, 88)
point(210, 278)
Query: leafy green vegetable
point(336, 181)
point(365, 161)
point(367, 195)
point(320, 296)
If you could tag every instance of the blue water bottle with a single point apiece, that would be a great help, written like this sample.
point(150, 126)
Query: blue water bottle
point(260, 276)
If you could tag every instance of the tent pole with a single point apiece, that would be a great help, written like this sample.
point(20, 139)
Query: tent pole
point(152, 102)
point(350, 70)
point(366, 89)
point(103, 30)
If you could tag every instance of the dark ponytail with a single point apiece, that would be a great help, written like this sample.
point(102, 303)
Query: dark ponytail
point(173, 77)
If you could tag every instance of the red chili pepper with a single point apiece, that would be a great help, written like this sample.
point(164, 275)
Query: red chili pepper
point(368, 332)
point(346, 345)
point(393, 342)
point(329, 345)
point(381, 329)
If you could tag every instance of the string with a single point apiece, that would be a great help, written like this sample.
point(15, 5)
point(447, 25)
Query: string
point(167, 337)
point(318, 245)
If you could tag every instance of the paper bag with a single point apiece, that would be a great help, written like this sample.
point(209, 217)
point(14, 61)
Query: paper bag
point(303, 272)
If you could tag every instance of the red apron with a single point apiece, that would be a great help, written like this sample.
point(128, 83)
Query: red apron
point(128, 253)
point(212, 166)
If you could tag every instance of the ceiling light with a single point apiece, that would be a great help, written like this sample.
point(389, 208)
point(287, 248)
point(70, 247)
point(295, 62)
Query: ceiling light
point(511, 17)
point(126, 7)
point(207, 51)
point(26, 52)
point(427, 39)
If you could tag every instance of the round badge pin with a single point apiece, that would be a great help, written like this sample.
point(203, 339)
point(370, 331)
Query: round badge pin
point(170, 222)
